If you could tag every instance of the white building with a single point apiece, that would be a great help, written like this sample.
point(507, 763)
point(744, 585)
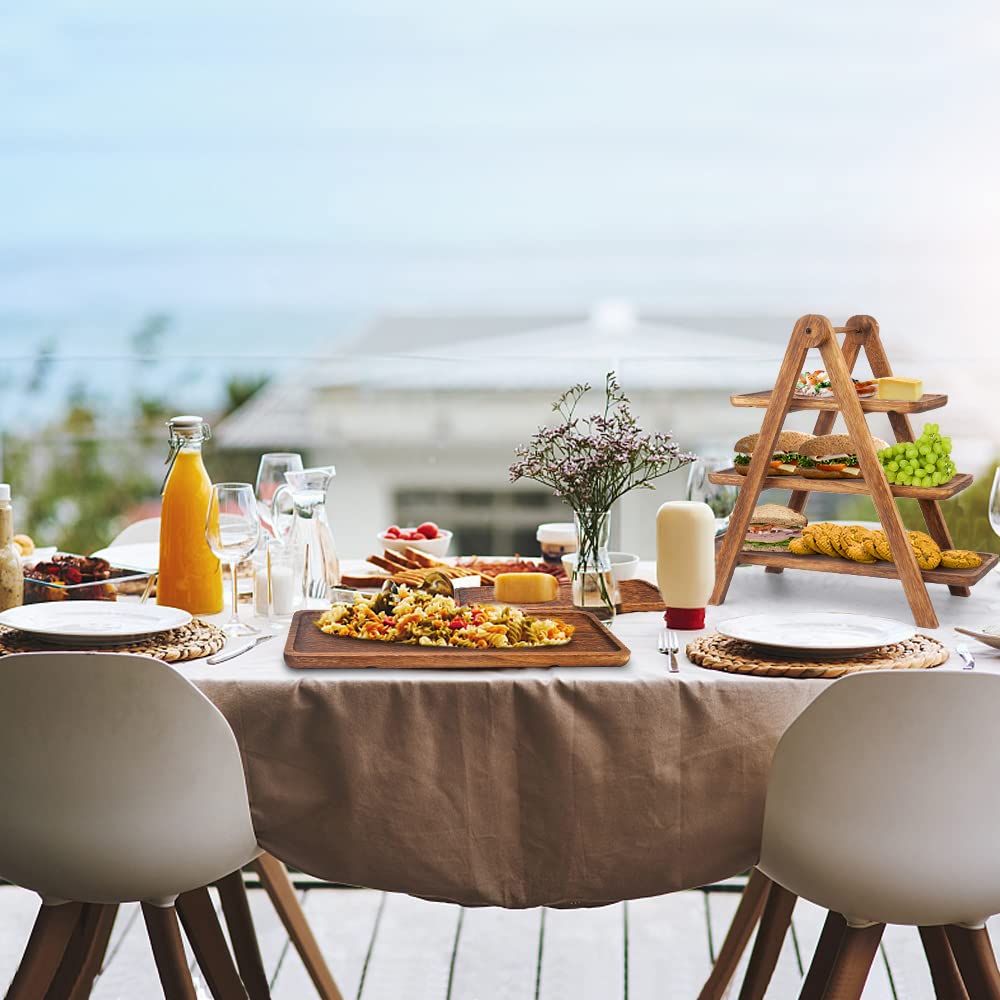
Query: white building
point(421, 416)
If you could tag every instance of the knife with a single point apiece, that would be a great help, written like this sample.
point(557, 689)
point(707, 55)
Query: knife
point(233, 653)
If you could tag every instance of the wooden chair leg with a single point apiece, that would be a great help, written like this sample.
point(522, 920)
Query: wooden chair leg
point(53, 928)
point(853, 963)
point(746, 918)
point(976, 961)
point(814, 985)
point(236, 910)
point(274, 877)
point(168, 951)
point(941, 961)
point(773, 928)
point(201, 925)
point(84, 954)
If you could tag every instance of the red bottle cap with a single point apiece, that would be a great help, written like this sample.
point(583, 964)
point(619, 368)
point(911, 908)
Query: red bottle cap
point(685, 618)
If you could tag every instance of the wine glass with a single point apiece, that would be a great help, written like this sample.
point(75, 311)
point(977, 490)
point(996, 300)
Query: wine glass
point(271, 475)
point(721, 499)
point(232, 530)
point(995, 503)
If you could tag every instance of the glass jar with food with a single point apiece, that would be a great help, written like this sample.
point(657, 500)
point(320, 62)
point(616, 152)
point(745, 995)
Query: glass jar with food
point(557, 539)
point(11, 579)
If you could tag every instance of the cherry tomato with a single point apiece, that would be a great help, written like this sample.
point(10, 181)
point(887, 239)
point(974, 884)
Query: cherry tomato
point(392, 531)
point(429, 530)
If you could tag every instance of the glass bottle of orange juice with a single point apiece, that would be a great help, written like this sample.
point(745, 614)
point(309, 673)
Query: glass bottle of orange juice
point(190, 576)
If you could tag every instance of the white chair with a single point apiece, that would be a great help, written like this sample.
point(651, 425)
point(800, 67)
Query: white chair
point(138, 532)
point(120, 781)
point(881, 808)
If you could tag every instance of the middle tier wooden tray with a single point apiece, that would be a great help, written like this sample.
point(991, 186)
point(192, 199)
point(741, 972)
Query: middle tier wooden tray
point(957, 483)
point(592, 645)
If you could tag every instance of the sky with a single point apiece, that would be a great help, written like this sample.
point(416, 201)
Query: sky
point(289, 169)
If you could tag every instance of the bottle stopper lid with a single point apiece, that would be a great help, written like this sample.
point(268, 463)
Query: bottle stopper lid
point(4, 492)
point(685, 618)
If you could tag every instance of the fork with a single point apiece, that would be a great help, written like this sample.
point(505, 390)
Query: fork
point(674, 647)
point(667, 644)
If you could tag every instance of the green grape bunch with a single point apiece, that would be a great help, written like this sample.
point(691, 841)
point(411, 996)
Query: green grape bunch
point(924, 462)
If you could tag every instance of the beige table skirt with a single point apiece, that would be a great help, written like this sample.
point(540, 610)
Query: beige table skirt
point(521, 788)
point(510, 793)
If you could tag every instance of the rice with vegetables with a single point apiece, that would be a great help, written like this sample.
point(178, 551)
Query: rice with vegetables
point(424, 619)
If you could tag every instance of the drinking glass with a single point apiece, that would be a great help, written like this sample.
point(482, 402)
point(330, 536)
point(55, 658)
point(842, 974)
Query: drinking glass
point(271, 475)
point(721, 499)
point(995, 504)
point(232, 530)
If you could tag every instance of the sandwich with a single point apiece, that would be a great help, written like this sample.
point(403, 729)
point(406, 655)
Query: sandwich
point(772, 528)
point(784, 461)
point(817, 383)
point(832, 456)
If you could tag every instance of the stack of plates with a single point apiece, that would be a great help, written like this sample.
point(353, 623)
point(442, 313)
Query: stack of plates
point(86, 624)
point(818, 634)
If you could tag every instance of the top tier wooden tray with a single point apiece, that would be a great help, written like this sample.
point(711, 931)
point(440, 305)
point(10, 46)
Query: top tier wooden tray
point(860, 333)
point(762, 400)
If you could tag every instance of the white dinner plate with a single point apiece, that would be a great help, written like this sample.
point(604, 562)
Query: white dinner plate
point(143, 556)
point(105, 623)
point(822, 632)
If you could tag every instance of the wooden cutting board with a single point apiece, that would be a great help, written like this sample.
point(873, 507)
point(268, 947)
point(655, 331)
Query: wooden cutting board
point(592, 645)
point(637, 595)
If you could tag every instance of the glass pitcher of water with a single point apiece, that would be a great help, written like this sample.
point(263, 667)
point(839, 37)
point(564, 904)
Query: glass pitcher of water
point(307, 533)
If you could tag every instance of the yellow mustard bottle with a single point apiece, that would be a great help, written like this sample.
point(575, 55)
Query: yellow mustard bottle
point(190, 576)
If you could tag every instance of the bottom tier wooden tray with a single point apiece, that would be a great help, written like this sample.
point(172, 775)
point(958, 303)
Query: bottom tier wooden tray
point(885, 570)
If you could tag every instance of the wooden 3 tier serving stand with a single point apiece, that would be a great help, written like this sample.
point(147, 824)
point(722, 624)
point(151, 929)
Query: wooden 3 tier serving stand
point(860, 332)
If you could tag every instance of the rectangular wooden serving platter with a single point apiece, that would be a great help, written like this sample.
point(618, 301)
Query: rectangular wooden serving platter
point(960, 481)
point(928, 401)
point(885, 570)
point(636, 595)
point(592, 645)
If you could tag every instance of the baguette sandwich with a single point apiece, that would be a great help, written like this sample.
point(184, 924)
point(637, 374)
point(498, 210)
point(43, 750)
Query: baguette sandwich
point(832, 456)
point(784, 462)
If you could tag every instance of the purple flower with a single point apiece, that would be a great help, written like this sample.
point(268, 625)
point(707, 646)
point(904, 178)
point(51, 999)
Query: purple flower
point(590, 462)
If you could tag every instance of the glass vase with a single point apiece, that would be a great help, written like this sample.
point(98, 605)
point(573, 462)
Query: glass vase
point(593, 584)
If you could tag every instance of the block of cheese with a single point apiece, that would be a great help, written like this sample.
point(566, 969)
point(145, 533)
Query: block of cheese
point(901, 390)
point(526, 588)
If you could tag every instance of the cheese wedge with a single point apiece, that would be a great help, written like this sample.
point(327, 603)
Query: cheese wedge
point(526, 588)
point(901, 390)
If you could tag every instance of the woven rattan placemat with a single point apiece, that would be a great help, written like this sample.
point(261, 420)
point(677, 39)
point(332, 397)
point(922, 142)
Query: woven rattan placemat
point(719, 653)
point(189, 642)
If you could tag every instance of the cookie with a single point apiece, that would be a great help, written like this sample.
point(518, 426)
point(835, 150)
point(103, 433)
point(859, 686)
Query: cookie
point(927, 551)
point(960, 559)
point(820, 537)
point(800, 547)
point(881, 543)
point(856, 544)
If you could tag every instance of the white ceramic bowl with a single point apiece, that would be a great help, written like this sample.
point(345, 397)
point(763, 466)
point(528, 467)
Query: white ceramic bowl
point(436, 547)
point(624, 565)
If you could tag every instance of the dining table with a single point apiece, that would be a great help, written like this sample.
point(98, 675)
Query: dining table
point(567, 786)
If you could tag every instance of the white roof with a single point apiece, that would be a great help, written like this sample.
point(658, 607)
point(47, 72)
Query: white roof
point(646, 356)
